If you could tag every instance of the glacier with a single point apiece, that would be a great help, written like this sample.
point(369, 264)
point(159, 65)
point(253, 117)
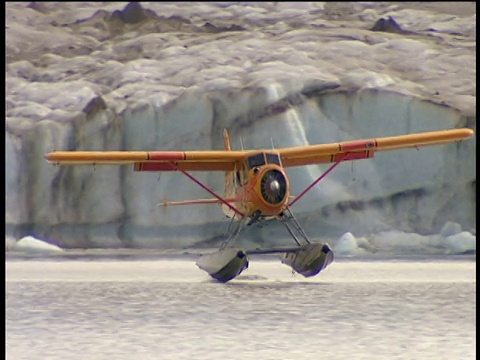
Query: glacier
point(172, 76)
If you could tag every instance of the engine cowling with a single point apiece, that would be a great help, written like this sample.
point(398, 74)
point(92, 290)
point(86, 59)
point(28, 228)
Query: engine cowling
point(273, 187)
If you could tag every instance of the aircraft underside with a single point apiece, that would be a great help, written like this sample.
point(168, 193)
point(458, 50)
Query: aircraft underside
point(306, 258)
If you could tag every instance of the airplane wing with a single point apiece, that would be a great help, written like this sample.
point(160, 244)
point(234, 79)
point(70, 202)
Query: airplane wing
point(151, 160)
point(364, 149)
point(224, 160)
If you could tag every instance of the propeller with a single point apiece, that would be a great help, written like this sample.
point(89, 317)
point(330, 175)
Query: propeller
point(273, 186)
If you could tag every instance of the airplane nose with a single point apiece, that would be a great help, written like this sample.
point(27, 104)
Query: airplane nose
point(273, 187)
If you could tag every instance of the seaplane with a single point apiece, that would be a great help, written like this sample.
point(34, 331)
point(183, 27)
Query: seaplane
point(257, 189)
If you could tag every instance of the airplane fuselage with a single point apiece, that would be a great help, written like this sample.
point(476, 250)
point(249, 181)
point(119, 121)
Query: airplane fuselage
point(260, 185)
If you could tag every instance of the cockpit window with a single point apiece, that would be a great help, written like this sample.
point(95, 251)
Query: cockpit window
point(273, 159)
point(255, 160)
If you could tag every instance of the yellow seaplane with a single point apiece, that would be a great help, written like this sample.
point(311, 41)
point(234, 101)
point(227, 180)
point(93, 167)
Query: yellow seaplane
point(257, 188)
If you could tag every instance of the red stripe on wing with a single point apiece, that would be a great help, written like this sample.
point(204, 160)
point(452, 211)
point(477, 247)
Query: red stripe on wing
point(154, 167)
point(366, 154)
point(357, 145)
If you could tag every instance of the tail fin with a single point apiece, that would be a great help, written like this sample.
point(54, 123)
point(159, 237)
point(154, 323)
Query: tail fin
point(229, 175)
point(226, 140)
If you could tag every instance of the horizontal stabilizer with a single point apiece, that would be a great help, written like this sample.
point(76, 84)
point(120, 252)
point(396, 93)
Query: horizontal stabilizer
point(196, 202)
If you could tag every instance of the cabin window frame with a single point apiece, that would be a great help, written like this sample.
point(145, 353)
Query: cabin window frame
point(269, 156)
point(258, 156)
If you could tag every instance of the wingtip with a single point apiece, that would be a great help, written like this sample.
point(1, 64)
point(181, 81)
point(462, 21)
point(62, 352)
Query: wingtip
point(466, 133)
point(462, 133)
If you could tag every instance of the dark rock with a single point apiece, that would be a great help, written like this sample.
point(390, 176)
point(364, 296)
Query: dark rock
point(132, 13)
point(38, 6)
point(210, 28)
point(96, 104)
point(389, 25)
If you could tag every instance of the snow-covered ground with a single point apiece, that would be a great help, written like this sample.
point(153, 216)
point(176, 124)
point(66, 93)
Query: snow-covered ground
point(119, 76)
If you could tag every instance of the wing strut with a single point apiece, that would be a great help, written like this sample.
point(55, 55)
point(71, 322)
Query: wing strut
point(207, 189)
point(344, 155)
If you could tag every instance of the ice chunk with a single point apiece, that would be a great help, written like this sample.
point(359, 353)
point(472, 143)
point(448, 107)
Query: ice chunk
point(30, 244)
point(450, 228)
point(461, 242)
point(346, 245)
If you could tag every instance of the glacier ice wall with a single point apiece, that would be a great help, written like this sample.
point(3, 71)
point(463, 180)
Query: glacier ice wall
point(171, 76)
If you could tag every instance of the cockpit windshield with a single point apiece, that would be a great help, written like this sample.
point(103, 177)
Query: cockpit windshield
point(255, 160)
point(273, 159)
point(259, 160)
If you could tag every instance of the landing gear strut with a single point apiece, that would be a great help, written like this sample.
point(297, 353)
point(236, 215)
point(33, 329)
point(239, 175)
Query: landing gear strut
point(233, 230)
point(288, 219)
point(310, 258)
